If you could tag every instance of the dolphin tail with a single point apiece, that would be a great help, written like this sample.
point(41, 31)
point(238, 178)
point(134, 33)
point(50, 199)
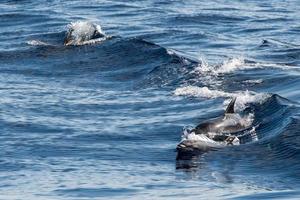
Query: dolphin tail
point(230, 107)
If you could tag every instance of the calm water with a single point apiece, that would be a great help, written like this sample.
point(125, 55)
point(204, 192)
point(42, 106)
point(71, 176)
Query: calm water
point(103, 121)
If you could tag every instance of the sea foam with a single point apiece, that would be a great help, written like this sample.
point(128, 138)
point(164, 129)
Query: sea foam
point(243, 97)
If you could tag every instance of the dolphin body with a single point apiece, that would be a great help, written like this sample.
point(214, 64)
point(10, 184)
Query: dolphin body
point(215, 133)
point(83, 32)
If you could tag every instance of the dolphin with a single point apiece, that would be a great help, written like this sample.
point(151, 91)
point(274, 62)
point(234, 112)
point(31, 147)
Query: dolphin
point(83, 32)
point(216, 132)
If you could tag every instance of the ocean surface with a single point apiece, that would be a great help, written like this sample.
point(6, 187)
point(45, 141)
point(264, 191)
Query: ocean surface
point(102, 121)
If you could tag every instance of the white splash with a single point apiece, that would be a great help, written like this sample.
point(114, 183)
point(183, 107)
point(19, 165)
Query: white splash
point(195, 137)
point(253, 134)
point(83, 31)
point(84, 28)
point(226, 67)
point(232, 65)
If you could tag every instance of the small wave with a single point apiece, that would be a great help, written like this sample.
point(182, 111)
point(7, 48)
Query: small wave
point(243, 97)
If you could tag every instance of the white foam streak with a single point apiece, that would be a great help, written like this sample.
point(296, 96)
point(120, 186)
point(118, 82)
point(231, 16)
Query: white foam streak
point(36, 43)
point(243, 97)
point(257, 81)
point(235, 64)
point(200, 92)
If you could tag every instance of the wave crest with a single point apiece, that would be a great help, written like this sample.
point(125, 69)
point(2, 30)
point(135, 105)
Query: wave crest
point(243, 97)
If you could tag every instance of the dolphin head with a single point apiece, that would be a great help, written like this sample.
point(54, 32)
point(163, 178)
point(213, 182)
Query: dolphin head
point(80, 32)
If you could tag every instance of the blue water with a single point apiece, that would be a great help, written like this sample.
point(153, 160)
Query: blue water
point(103, 120)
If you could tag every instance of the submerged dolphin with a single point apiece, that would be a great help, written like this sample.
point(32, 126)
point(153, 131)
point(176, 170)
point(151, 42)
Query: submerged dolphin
point(82, 32)
point(216, 132)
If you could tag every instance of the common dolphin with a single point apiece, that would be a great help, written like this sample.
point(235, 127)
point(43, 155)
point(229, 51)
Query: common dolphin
point(83, 32)
point(216, 132)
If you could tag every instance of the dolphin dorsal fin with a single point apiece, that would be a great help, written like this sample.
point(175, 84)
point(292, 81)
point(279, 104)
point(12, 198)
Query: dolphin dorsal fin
point(230, 107)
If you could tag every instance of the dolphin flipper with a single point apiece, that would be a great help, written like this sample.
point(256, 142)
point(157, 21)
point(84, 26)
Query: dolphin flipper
point(230, 107)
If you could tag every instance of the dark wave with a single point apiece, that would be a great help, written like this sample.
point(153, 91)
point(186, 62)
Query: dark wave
point(117, 60)
point(278, 140)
